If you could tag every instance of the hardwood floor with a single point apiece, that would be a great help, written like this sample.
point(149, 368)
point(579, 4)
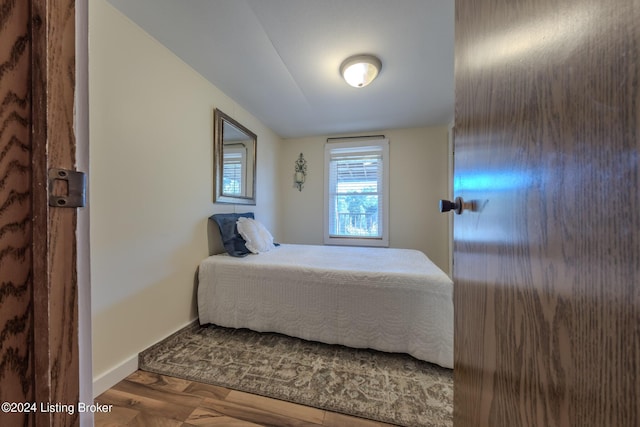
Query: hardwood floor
point(145, 399)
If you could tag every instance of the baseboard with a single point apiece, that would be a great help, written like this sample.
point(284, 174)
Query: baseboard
point(112, 377)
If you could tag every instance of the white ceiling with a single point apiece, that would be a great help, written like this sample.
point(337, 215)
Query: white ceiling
point(279, 59)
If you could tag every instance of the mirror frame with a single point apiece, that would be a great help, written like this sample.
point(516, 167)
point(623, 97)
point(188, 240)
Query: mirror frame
point(219, 119)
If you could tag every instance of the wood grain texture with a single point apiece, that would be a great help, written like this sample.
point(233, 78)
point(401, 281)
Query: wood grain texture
point(547, 134)
point(16, 305)
point(38, 296)
point(146, 399)
point(55, 290)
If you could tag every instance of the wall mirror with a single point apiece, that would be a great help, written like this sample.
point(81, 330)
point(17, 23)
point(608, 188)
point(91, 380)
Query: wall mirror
point(234, 148)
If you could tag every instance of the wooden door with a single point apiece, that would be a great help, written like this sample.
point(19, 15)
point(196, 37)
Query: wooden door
point(38, 284)
point(547, 268)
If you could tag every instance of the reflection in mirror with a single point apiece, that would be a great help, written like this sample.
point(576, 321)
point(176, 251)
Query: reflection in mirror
point(234, 161)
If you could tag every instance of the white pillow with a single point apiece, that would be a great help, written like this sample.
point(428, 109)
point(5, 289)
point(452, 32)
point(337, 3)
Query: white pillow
point(256, 235)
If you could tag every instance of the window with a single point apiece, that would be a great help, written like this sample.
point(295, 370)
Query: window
point(357, 193)
point(234, 163)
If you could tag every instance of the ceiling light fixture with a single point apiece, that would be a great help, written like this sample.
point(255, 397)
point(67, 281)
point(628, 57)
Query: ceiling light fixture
point(360, 70)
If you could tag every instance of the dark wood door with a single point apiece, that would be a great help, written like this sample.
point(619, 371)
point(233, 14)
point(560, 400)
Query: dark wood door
point(16, 272)
point(38, 284)
point(547, 268)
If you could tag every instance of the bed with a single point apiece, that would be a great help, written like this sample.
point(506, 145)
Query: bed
point(393, 300)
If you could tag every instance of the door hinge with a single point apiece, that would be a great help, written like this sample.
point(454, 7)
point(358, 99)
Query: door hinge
point(76, 185)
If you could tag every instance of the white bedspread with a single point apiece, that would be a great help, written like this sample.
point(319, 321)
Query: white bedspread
point(393, 300)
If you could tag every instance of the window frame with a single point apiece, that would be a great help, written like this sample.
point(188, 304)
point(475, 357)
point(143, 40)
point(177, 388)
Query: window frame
point(383, 240)
point(229, 159)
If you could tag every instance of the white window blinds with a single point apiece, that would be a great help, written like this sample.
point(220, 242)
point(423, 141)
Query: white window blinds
point(356, 190)
point(234, 161)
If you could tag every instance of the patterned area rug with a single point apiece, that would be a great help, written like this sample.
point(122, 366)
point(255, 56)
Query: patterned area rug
point(388, 387)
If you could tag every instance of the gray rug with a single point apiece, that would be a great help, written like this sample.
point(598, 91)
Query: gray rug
point(387, 387)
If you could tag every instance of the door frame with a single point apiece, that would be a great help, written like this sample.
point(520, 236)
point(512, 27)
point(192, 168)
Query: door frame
point(83, 261)
point(61, 292)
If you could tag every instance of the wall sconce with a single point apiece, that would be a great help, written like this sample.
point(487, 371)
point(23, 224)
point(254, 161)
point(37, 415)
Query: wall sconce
point(301, 172)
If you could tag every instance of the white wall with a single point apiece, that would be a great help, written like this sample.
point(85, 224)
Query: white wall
point(151, 133)
point(418, 180)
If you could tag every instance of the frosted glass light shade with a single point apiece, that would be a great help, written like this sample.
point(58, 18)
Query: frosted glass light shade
point(360, 70)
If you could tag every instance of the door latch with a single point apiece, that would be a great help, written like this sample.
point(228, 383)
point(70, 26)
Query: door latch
point(76, 184)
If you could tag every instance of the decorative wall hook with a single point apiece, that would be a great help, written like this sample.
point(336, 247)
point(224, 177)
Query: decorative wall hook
point(300, 175)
